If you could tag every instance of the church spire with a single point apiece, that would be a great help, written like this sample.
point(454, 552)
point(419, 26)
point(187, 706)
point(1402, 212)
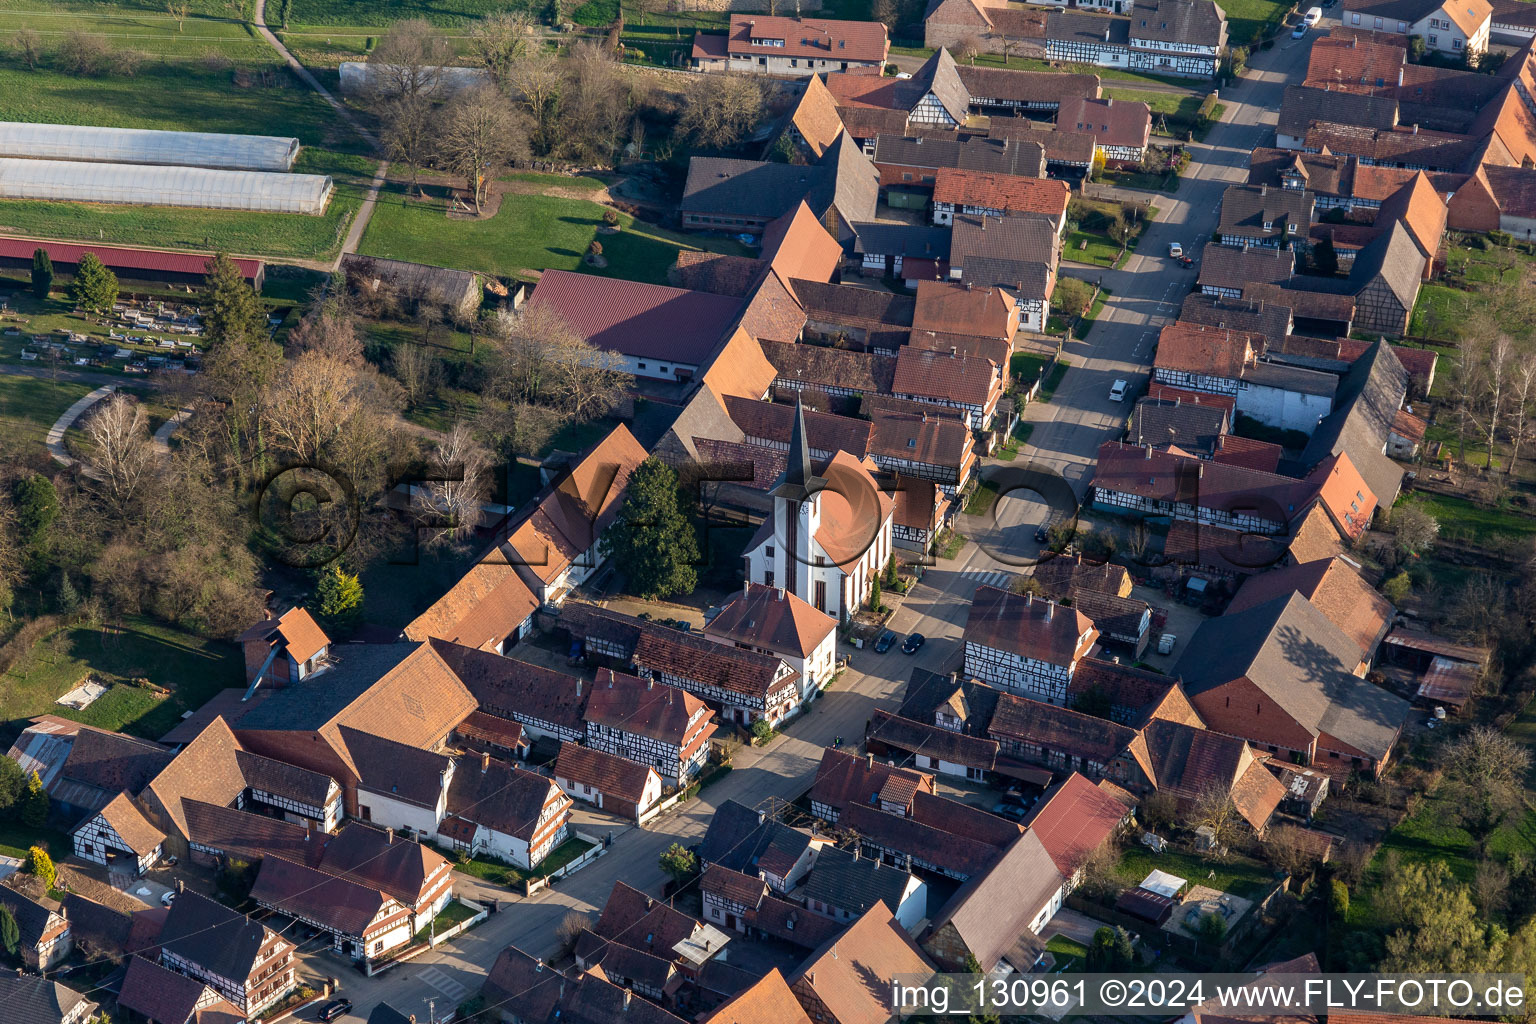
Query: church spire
point(799, 481)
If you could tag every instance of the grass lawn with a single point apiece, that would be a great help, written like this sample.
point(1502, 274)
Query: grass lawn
point(454, 913)
point(16, 838)
point(1017, 63)
point(255, 234)
point(1246, 19)
point(1090, 247)
point(139, 26)
point(528, 233)
point(1480, 524)
point(950, 544)
point(382, 12)
point(1237, 875)
point(1069, 953)
point(1053, 381)
point(981, 499)
point(192, 667)
point(1179, 112)
point(1085, 322)
point(29, 405)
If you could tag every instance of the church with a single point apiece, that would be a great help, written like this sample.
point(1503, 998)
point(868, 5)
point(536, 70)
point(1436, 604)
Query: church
point(829, 534)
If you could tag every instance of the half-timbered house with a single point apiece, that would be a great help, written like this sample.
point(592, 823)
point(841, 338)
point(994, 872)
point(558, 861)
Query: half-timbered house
point(608, 782)
point(1025, 645)
point(246, 962)
point(508, 812)
point(663, 726)
point(119, 837)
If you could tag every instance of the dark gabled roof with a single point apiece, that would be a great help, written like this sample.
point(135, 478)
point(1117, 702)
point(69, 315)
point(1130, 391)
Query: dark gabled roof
point(940, 76)
point(993, 910)
point(285, 780)
point(1058, 729)
point(342, 904)
point(396, 770)
point(392, 863)
point(664, 650)
point(609, 774)
point(854, 884)
point(752, 188)
point(1192, 427)
point(1230, 266)
point(923, 737)
point(1272, 320)
point(506, 685)
point(642, 922)
point(207, 933)
point(113, 762)
point(1115, 617)
point(501, 797)
point(953, 852)
point(1196, 22)
point(845, 779)
point(31, 999)
point(632, 967)
point(591, 1000)
point(246, 835)
point(158, 993)
point(926, 692)
point(888, 239)
point(1364, 410)
point(730, 829)
point(32, 913)
point(106, 929)
point(643, 707)
point(1132, 692)
point(1304, 663)
point(315, 702)
point(1303, 106)
point(1026, 86)
point(1081, 27)
point(1015, 239)
point(534, 985)
point(852, 305)
point(817, 366)
point(1245, 209)
point(974, 153)
point(1394, 258)
point(851, 184)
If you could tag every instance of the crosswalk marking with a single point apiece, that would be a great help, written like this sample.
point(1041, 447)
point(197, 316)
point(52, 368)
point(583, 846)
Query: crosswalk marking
point(988, 576)
point(444, 984)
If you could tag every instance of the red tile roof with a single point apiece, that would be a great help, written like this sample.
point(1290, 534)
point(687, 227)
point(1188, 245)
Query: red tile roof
point(769, 1001)
point(1243, 451)
point(1007, 192)
point(968, 379)
point(1354, 65)
point(642, 707)
point(1214, 351)
point(817, 38)
point(650, 321)
point(1026, 625)
point(1074, 820)
point(606, 773)
point(120, 259)
point(773, 618)
point(1114, 123)
point(948, 307)
point(845, 779)
point(850, 974)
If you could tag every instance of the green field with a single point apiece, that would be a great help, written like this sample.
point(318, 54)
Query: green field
point(193, 668)
point(252, 234)
point(529, 232)
point(382, 12)
point(1247, 19)
point(1462, 519)
point(1237, 875)
point(29, 406)
point(144, 27)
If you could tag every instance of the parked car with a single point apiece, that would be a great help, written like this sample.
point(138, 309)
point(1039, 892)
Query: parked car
point(913, 643)
point(1117, 391)
point(1042, 533)
point(1175, 250)
point(884, 643)
point(167, 898)
point(1313, 16)
point(336, 1008)
point(1301, 31)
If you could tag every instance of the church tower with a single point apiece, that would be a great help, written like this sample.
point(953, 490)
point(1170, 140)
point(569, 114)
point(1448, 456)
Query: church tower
point(797, 511)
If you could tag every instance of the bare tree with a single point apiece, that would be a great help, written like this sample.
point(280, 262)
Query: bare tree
point(967, 49)
point(1287, 848)
point(408, 61)
point(595, 111)
point(1498, 368)
point(720, 111)
point(318, 405)
point(536, 79)
point(543, 359)
point(481, 134)
point(1215, 810)
point(1413, 529)
point(1522, 393)
point(329, 329)
point(178, 11)
point(85, 54)
point(121, 451)
point(1159, 809)
point(416, 370)
point(498, 41)
point(1490, 888)
point(644, 7)
point(409, 129)
point(450, 501)
point(29, 47)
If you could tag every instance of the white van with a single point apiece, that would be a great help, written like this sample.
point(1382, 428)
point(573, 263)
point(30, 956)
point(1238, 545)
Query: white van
point(1313, 16)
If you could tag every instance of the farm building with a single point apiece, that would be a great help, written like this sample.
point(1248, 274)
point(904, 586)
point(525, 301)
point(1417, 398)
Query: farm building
point(93, 144)
point(457, 290)
point(134, 264)
point(138, 184)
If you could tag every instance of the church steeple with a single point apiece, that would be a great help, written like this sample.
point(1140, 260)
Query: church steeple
point(799, 482)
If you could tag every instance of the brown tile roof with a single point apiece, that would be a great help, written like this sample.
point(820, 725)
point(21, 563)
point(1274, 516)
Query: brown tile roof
point(1187, 761)
point(1228, 266)
point(206, 769)
point(493, 729)
point(717, 273)
point(817, 38)
point(662, 649)
point(398, 771)
point(1422, 211)
point(1246, 209)
point(606, 773)
point(922, 437)
point(302, 633)
point(1058, 729)
point(1232, 450)
point(1215, 351)
point(638, 319)
point(993, 911)
point(98, 929)
point(850, 974)
point(1059, 574)
point(131, 826)
point(721, 881)
point(642, 922)
point(113, 762)
point(1315, 537)
point(740, 368)
point(948, 307)
point(956, 852)
point(1335, 587)
point(844, 780)
point(643, 707)
point(1406, 425)
point(1133, 693)
point(912, 737)
point(774, 618)
point(852, 305)
point(503, 797)
point(1219, 550)
point(1007, 192)
point(824, 432)
point(943, 375)
point(920, 504)
point(507, 686)
point(1167, 393)
point(484, 607)
point(1010, 244)
point(535, 985)
point(1113, 122)
point(768, 1001)
point(1073, 820)
point(161, 994)
point(1354, 65)
point(340, 903)
point(815, 117)
point(1060, 145)
point(400, 867)
point(246, 835)
point(816, 366)
point(1027, 86)
point(852, 507)
point(1029, 626)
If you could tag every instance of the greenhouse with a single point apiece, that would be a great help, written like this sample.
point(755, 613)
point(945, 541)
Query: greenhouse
point(146, 146)
point(257, 191)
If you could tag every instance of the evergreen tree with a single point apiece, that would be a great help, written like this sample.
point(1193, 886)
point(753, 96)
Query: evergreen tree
point(677, 861)
point(230, 309)
point(41, 865)
point(37, 506)
point(973, 966)
point(34, 804)
point(874, 594)
point(339, 595)
point(10, 935)
point(94, 287)
point(42, 273)
point(69, 597)
point(1325, 258)
point(652, 542)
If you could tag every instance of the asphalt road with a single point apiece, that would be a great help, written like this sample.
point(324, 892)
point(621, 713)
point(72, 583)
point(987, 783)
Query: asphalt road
point(1068, 431)
point(1148, 290)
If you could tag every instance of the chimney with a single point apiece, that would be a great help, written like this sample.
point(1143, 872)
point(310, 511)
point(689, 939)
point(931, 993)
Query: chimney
point(1415, 129)
point(1029, 599)
point(649, 683)
point(1106, 33)
point(180, 886)
point(485, 762)
point(627, 997)
point(869, 760)
point(1149, 453)
point(578, 686)
point(306, 830)
point(389, 837)
point(1109, 101)
point(1050, 609)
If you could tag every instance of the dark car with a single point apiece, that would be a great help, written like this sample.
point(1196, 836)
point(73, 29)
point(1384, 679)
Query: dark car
point(1042, 533)
point(912, 643)
point(884, 643)
point(336, 1008)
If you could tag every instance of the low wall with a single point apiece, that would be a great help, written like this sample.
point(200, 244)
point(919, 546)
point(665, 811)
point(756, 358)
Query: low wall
point(463, 926)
